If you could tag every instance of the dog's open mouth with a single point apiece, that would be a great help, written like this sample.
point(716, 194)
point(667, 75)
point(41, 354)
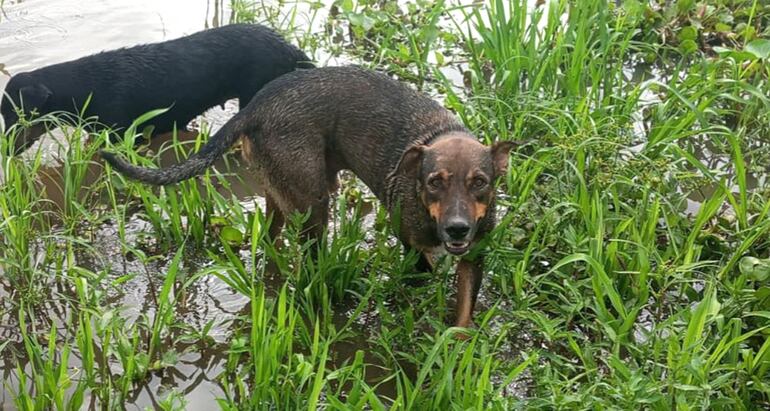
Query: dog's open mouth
point(457, 247)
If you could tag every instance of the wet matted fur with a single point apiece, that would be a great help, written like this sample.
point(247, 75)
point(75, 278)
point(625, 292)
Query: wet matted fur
point(414, 155)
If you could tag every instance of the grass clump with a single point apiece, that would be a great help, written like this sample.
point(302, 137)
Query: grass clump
point(630, 268)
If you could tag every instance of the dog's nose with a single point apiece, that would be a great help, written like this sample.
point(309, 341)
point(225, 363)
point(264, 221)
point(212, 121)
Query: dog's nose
point(457, 229)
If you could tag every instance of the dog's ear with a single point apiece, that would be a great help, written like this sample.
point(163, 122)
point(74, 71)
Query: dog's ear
point(34, 96)
point(500, 153)
point(409, 164)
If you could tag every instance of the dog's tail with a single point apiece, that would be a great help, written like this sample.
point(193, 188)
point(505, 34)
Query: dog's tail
point(196, 164)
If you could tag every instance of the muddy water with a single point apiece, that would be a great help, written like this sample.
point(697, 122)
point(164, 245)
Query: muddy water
point(35, 33)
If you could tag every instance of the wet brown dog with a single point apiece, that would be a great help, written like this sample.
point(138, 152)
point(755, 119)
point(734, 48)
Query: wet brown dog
point(414, 155)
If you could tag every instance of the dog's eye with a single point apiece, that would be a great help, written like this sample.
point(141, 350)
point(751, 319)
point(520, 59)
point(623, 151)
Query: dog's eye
point(479, 182)
point(435, 182)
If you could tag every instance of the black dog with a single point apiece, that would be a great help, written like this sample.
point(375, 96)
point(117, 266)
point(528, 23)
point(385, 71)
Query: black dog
point(414, 155)
point(190, 75)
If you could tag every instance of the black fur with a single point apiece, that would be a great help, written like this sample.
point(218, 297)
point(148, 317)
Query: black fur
point(188, 74)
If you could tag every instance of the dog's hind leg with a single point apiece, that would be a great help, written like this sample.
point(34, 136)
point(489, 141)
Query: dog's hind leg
point(25, 138)
point(300, 187)
point(313, 228)
point(278, 219)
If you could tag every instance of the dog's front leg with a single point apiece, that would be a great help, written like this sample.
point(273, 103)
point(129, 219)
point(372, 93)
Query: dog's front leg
point(469, 275)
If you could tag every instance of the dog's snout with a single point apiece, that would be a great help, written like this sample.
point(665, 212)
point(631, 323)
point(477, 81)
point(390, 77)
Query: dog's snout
point(457, 229)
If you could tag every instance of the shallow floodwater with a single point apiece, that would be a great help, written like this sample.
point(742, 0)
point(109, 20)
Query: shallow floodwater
point(35, 33)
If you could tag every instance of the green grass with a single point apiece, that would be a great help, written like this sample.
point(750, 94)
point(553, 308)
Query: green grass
point(606, 288)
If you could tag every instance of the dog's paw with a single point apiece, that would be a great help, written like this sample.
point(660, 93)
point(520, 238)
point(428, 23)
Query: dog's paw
point(468, 330)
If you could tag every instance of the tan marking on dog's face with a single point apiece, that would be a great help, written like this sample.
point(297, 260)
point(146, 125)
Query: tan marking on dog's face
point(434, 209)
point(480, 210)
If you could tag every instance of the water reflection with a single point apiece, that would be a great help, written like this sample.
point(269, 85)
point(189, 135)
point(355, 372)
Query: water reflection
point(36, 33)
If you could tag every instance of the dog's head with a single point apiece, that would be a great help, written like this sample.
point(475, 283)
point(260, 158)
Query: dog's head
point(456, 176)
point(29, 97)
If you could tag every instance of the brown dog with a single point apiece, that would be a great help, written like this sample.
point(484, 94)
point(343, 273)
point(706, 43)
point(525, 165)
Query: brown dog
point(415, 156)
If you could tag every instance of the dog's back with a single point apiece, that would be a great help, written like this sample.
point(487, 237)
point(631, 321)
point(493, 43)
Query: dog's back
point(193, 72)
point(361, 119)
point(353, 118)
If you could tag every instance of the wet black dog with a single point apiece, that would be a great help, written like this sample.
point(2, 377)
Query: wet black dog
point(190, 75)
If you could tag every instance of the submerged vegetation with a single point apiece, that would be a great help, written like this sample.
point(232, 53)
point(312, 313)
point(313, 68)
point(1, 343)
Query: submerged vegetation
point(630, 269)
